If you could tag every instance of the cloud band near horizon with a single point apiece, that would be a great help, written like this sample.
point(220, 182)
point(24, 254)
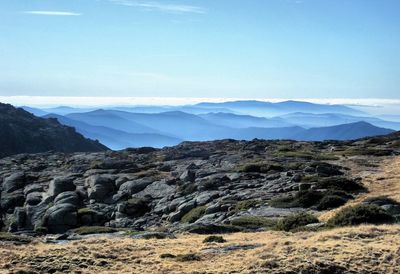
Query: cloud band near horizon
point(52, 13)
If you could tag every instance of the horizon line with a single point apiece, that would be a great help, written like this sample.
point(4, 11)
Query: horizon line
point(83, 101)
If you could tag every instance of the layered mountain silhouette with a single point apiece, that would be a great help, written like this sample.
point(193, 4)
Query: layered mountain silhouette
point(159, 126)
point(114, 138)
point(259, 108)
point(341, 132)
point(22, 132)
point(171, 128)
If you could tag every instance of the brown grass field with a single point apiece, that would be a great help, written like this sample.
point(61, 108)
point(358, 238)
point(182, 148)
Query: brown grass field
point(362, 249)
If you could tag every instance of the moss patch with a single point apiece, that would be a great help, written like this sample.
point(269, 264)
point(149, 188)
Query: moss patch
point(194, 214)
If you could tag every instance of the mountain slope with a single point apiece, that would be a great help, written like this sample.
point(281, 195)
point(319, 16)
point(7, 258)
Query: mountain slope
point(341, 132)
point(108, 118)
point(259, 108)
point(177, 124)
point(116, 139)
point(22, 132)
point(243, 121)
point(309, 120)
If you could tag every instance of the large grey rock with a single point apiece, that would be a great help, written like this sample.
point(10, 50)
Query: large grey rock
point(188, 175)
point(134, 207)
point(206, 197)
point(61, 184)
point(156, 190)
point(182, 210)
point(68, 197)
point(100, 187)
point(61, 217)
point(34, 198)
point(133, 187)
point(14, 182)
point(19, 218)
point(35, 215)
point(9, 201)
point(33, 188)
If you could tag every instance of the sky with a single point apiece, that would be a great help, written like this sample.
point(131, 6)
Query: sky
point(200, 49)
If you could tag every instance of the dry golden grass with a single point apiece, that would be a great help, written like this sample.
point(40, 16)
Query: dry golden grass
point(383, 180)
point(363, 248)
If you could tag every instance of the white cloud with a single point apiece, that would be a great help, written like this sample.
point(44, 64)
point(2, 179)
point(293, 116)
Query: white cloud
point(157, 6)
point(107, 101)
point(52, 13)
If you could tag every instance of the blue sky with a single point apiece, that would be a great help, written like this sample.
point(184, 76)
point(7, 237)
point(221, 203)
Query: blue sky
point(209, 48)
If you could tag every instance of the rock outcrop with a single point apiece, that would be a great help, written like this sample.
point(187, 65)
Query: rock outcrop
point(195, 186)
point(22, 132)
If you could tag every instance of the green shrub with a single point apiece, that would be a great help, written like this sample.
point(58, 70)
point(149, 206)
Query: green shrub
point(206, 229)
point(261, 167)
point(254, 222)
point(380, 200)
point(331, 201)
point(167, 256)
point(361, 214)
point(194, 214)
point(85, 230)
point(367, 151)
point(187, 257)
point(187, 188)
point(295, 221)
point(17, 239)
point(303, 198)
point(339, 183)
point(214, 239)
point(245, 205)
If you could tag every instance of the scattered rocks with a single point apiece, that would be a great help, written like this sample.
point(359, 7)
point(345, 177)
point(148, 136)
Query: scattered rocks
point(215, 182)
point(61, 184)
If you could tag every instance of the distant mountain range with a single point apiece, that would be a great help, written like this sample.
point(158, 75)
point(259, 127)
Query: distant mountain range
point(22, 132)
point(159, 126)
point(259, 108)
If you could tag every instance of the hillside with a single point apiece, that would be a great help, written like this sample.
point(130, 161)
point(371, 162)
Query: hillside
point(145, 201)
point(341, 132)
point(22, 132)
point(122, 129)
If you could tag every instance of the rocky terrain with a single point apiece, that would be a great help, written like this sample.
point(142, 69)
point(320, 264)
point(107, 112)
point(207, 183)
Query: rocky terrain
point(146, 200)
point(22, 132)
point(203, 186)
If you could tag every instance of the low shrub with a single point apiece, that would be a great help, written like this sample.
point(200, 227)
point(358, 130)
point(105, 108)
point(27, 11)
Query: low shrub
point(187, 257)
point(254, 222)
point(303, 198)
point(17, 239)
point(261, 167)
point(361, 214)
point(245, 205)
point(167, 256)
point(339, 183)
point(187, 188)
point(214, 239)
point(194, 214)
point(295, 221)
point(380, 201)
point(331, 201)
point(213, 229)
point(367, 152)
